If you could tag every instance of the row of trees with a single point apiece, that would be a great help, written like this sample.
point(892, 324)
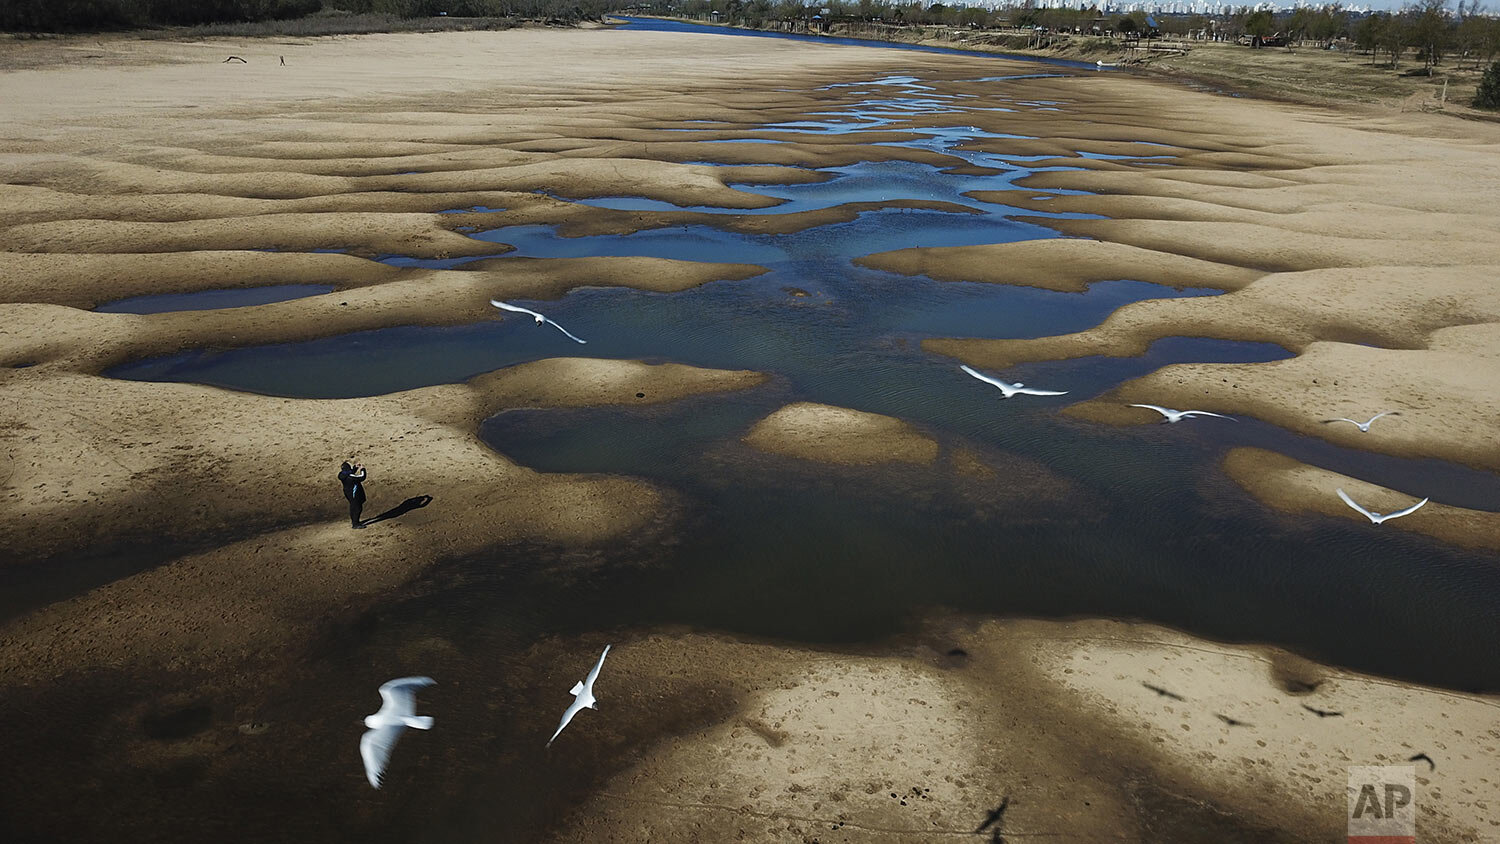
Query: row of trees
point(1430, 33)
point(55, 15)
point(66, 15)
point(557, 9)
point(62, 15)
point(1428, 29)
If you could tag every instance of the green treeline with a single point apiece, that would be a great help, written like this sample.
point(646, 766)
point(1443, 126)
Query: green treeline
point(91, 15)
point(1426, 29)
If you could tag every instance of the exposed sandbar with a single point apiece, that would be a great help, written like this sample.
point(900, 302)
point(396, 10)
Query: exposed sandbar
point(1293, 486)
point(259, 472)
point(924, 737)
point(840, 435)
point(91, 342)
point(31, 204)
point(417, 235)
point(1279, 748)
point(1252, 247)
point(1066, 264)
point(88, 280)
point(125, 479)
point(1447, 395)
point(1293, 310)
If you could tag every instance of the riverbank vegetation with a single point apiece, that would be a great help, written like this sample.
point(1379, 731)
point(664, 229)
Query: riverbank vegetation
point(1488, 95)
point(288, 17)
point(1427, 31)
point(1426, 56)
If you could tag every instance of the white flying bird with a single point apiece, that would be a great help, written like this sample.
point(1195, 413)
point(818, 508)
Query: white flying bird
point(1009, 389)
point(1179, 415)
point(505, 306)
point(1376, 518)
point(583, 696)
point(1364, 427)
point(397, 712)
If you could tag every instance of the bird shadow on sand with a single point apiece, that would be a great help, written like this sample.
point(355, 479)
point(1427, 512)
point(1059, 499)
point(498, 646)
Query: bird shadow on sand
point(410, 504)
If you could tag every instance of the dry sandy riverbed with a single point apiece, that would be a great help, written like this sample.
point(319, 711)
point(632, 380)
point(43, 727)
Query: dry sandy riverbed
point(168, 171)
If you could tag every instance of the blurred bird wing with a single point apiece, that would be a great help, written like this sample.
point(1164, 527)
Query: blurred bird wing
point(375, 748)
point(1167, 412)
point(399, 696)
point(1207, 413)
point(1032, 391)
point(985, 378)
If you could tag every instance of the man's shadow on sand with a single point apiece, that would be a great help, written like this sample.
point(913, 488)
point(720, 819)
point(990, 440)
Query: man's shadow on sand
point(400, 510)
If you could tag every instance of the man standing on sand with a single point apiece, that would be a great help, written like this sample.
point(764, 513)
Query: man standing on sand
point(353, 479)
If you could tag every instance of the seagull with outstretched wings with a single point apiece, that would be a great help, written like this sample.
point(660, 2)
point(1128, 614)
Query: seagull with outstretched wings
point(1377, 518)
point(583, 696)
point(1008, 389)
point(398, 710)
point(1169, 415)
point(506, 306)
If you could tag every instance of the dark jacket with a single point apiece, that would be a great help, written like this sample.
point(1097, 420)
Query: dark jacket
point(354, 487)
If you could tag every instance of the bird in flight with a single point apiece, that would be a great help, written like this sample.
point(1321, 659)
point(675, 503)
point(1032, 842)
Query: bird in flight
point(398, 710)
point(506, 306)
point(1009, 389)
point(1322, 713)
point(1364, 427)
point(1171, 415)
point(1377, 518)
point(583, 696)
point(1422, 757)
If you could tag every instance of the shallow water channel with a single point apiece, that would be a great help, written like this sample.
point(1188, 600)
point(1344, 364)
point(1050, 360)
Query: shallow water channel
point(1075, 519)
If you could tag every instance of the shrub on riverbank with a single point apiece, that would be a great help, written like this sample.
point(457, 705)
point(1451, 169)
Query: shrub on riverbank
point(1488, 95)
